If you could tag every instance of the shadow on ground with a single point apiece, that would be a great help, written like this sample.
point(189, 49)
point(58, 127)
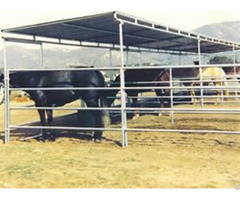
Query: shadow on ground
point(70, 120)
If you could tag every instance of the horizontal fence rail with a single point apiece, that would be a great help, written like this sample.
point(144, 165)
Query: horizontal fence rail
point(196, 85)
point(128, 129)
point(147, 67)
point(177, 110)
point(65, 128)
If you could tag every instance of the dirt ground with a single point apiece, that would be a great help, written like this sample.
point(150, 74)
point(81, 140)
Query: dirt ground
point(152, 160)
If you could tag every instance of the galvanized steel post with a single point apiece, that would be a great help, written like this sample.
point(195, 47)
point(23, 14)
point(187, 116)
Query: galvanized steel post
point(140, 58)
point(41, 56)
point(200, 73)
point(180, 58)
point(122, 86)
point(235, 70)
point(6, 85)
point(111, 74)
point(171, 95)
point(127, 56)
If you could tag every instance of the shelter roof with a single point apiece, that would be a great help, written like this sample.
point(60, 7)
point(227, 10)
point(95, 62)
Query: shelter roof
point(104, 28)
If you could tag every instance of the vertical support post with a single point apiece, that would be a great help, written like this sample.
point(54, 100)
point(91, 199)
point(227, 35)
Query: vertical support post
point(140, 58)
point(200, 73)
point(180, 58)
point(122, 86)
point(234, 55)
point(171, 95)
point(111, 72)
point(41, 56)
point(127, 57)
point(170, 61)
point(110, 65)
point(235, 71)
point(6, 85)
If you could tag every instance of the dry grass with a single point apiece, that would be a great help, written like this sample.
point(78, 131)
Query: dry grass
point(152, 160)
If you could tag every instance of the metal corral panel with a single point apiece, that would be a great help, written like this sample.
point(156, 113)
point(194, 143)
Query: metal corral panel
point(103, 28)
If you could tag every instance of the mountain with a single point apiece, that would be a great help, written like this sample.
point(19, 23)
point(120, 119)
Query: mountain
point(56, 56)
point(225, 30)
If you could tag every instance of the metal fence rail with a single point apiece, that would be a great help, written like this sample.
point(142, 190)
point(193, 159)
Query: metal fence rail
point(124, 107)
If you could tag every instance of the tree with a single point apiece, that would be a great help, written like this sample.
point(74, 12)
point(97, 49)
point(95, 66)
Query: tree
point(221, 60)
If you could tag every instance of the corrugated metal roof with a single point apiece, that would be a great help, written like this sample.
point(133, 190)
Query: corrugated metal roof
point(103, 28)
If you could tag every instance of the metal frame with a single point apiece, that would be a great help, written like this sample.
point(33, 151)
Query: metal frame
point(121, 48)
point(6, 84)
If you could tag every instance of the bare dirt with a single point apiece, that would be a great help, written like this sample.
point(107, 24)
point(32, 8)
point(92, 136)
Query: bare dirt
point(152, 160)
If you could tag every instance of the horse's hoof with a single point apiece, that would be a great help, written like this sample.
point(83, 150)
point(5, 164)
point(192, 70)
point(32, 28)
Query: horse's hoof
point(166, 113)
point(97, 140)
point(135, 117)
point(51, 138)
point(41, 139)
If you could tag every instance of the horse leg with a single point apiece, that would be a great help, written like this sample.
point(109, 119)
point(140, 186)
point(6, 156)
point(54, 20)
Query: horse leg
point(49, 117)
point(192, 94)
point(163, 99)
point(98, 117)
point(43, 123)
point(105, 113)
point(134, 94)
point(50, 121)
point(218, 92)
point(136, 113)
point(159, 93)
point(225, 91)
point(168, 99)
point(40, 101)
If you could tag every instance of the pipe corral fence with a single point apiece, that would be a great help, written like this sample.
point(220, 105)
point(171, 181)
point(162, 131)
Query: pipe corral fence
point(124, 33)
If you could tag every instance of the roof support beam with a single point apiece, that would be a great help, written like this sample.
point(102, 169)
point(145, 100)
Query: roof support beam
point(90, 28)
point(105, 31)
point(157, 40)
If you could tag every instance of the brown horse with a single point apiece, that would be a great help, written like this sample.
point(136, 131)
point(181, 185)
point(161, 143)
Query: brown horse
point(232, 72)
point(152, 78)
point(233, 78)
point(143, 78)
point(185, 75)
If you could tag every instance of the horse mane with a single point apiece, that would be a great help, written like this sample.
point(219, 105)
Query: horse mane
point(80, 66)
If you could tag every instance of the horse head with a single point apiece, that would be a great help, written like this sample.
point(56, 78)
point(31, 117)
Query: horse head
point(18, 79)
point(2, 78)
point(111, 93)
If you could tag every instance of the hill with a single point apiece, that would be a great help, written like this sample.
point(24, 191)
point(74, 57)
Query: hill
point(225, 30)
point(56, 56)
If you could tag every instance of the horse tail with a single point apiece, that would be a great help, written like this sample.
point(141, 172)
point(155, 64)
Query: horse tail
point(103, 103)
point(225, 83)
point(111, 93)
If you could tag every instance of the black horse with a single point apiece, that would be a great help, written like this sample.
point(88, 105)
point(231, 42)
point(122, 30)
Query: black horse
point(1, 89)
point(55, 98)
point(143, 78)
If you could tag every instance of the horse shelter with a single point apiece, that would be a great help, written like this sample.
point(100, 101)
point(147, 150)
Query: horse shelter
point(124, 33)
